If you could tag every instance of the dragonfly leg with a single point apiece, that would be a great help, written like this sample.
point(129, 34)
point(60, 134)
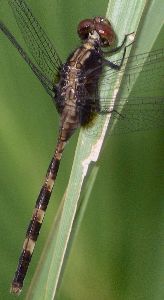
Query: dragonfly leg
point(118, 48)
point(106, 111)
point(113, 65)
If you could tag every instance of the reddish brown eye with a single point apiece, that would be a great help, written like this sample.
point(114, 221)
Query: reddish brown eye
point(84, 28)
point(105, 31)
point(102, 26)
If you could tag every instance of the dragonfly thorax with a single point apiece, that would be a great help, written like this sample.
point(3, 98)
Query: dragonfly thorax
point(78, 81)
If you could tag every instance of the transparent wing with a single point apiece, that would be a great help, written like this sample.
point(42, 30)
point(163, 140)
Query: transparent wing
point(148, 66)
point(139, 104)
point(38, 43)
point(47, 84)
point(139, 114)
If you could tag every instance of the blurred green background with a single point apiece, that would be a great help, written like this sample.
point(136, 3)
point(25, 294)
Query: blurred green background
point(118, 253)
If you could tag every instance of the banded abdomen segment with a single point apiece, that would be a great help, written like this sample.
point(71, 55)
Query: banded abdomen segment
point(35, 224)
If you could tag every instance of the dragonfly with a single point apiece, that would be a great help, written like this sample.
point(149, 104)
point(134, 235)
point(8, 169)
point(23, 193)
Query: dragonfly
point(74, 88)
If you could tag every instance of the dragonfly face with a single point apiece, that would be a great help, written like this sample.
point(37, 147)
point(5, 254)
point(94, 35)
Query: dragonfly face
point(102, 26)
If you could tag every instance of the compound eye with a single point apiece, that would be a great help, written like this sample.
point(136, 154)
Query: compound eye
point(105, 31)
point(102, 26)
point(84, 28)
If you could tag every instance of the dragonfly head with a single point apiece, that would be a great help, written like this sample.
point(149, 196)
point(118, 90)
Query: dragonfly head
point(102, 26)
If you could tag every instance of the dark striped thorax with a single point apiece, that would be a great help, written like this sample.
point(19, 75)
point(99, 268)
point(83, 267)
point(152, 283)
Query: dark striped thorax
point(78, 80)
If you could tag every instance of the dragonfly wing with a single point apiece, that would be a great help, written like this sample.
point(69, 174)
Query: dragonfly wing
point(147, 67)
point(139, 102)
point(45, 81)
point(138, 114)
point(143, 84)
point(37, 41)
point(132, 115)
